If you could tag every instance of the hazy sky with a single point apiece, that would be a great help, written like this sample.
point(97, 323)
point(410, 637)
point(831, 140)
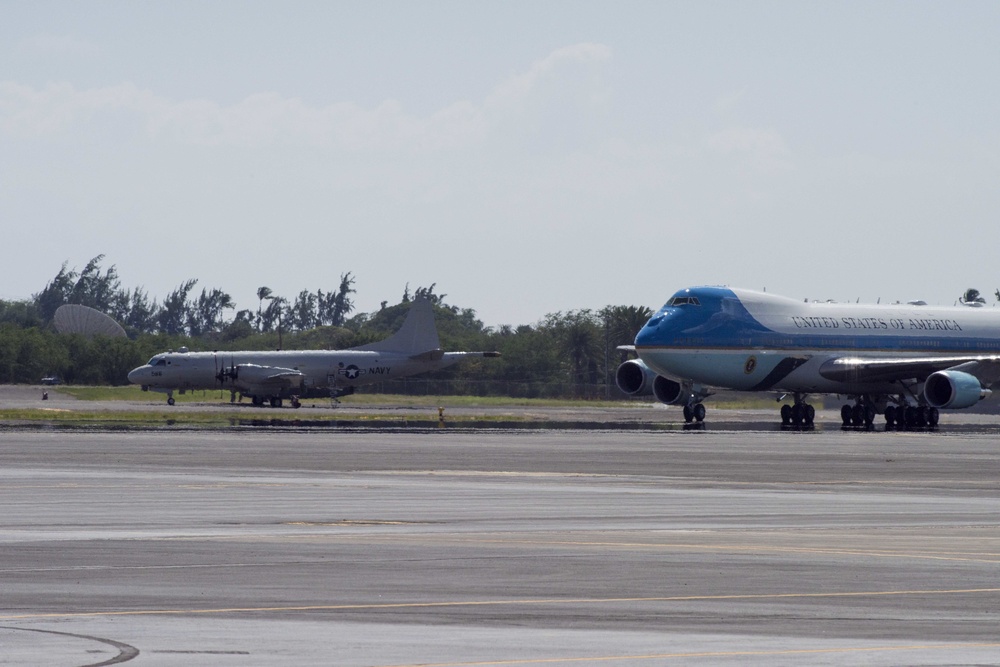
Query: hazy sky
point(528, 157)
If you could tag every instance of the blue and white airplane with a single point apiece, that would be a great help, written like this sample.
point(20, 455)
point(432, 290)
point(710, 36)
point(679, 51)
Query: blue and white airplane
point(903, 361)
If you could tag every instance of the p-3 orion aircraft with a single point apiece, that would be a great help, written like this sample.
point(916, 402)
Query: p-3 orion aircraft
point(293, 374)
point(903, 361)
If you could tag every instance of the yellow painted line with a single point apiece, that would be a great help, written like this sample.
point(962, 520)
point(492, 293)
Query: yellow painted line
point(974, 557)
point(498, 603)
point(709, 654)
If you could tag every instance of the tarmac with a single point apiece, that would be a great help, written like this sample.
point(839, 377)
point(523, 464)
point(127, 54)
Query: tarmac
point(737, 544)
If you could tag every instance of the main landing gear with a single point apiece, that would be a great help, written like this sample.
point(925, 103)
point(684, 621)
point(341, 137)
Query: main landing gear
point(695, 412)
point(861, 413)
point(864, 411)
point(798, 414)
point(274, 401)
point(911, 416)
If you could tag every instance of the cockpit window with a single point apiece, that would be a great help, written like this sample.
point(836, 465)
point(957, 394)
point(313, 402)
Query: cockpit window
point(684, 301)
point(157, 361)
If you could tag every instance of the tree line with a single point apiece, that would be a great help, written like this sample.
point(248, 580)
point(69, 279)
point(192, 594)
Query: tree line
point(565, 354)
point(182, 313)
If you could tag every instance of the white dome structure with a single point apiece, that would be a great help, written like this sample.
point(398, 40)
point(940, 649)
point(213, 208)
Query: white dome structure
point(73, 318)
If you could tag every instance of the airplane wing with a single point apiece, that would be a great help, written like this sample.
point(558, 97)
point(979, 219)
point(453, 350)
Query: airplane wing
point(255, 378)
point(985, 368)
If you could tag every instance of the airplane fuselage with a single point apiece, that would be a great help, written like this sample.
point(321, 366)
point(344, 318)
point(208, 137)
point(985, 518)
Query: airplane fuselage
point(305, 372)
point(753, 341)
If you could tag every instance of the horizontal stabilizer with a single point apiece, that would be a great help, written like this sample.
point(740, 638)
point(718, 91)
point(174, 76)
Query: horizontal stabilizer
point(429, 355)
point(461, 355)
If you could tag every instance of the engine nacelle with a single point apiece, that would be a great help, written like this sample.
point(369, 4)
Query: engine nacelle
point(670, 392)
point(635, 378)
point(953, 389)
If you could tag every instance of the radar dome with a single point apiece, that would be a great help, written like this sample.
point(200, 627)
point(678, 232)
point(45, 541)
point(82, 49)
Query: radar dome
point(73, 318)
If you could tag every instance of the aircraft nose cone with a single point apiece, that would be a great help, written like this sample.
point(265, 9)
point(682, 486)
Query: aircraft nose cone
point(647, 335)
point(135, 375)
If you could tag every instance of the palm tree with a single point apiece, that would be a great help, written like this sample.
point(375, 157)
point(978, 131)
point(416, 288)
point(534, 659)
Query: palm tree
point(580, 341)
point(262, 293)
point(972, 298)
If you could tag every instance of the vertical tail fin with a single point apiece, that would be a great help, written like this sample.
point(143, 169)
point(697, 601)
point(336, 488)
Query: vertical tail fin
point(417, 335)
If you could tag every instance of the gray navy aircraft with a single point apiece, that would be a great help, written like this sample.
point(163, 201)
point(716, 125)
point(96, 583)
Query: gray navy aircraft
point(272, 377)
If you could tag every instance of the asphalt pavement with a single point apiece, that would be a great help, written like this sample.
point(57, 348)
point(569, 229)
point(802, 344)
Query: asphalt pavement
point(248, 546)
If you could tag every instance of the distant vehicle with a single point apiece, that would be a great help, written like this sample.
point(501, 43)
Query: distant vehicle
point(274, 376)
point(902, 361)
point(51, 380)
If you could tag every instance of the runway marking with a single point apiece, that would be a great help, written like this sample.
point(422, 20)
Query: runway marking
point(706, 654)
point(959, 556)
point(355, 522)
point(376, 606)
point(125, 651)
point(833, 551)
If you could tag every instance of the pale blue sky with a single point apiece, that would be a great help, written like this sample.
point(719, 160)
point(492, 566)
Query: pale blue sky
point(527, 157)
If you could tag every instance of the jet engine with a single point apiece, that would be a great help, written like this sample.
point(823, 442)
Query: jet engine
point(635, 378)
point(670, 392)
point(953, 389)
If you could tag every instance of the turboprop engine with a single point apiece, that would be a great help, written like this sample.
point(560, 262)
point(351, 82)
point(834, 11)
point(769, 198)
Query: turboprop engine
point(953, 389)
point(636, 379)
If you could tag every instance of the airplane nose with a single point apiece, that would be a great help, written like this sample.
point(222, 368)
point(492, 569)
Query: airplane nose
point(647, 335)
point(135, 375)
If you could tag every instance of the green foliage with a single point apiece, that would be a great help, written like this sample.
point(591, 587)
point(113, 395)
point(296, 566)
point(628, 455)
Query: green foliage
point(23, 314)
point(571, 354)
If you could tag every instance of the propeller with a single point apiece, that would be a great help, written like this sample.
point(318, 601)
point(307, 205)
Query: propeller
point(223, 373)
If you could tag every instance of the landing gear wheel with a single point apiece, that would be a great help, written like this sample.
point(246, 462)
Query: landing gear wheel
point(699, 412)
point(688, 414)
point(857, 415)
point(846, 414)
point(257, 401)
point(797, 414)
point(296, 403)
point(890, 415)
point(786, 414)
point(933, 416)
point(808, 414)
point(170, 400)
point(869, 415)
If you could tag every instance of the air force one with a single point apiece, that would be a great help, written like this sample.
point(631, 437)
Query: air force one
point(906, 362)
point(294, 374)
